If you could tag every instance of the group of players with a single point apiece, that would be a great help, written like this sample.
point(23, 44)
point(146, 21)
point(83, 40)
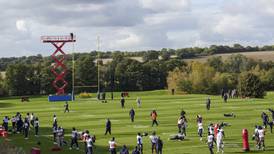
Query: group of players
point(259, 132)
point(21, 125)
point(89, 140)
point(214, 136)
point(215, 133)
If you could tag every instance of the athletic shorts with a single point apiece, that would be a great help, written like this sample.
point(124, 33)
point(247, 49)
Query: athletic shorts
point(153, 145)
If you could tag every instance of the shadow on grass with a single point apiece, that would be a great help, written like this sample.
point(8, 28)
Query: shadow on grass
point(268, 149)
point(46, 143)
point(5, 105)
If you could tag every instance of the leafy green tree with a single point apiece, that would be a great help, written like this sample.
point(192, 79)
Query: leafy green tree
point(268, 79)
point(20, 79)
point(128, 75)
point(216, 63)
point(201, 77)
point(238, 48)
point(171, 64)
point(165, 54)
point(185, 53)
point(154, 76)
point(151, 55)
point(238, 63)
point(86, 72)
point(250, 85)
point(46, 79)
point(2, 85)
point(223, 81)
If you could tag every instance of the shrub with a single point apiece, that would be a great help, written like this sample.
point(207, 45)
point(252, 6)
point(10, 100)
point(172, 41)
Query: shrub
point(85, 95)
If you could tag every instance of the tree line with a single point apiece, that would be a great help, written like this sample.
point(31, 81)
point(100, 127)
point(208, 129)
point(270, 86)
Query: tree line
point(32, 75)
point(165, 53)
point(121, 74)
point(250, 77)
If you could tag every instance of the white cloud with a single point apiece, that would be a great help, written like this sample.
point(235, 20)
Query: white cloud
point(266, 5)
point(230, 25)
point(21, 25)
point(165, 5)
point(127, 40)
point(134, 25)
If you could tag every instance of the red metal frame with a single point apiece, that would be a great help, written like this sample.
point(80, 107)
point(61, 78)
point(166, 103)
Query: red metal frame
point(58, 42)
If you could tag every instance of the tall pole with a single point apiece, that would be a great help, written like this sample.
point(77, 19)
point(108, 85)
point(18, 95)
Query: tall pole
point(98, 64)
point(73, 71)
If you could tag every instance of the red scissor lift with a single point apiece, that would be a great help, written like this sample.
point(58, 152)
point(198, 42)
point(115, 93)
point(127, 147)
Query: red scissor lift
point(59, 69)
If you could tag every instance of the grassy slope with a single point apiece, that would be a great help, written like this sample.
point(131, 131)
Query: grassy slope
point(259, 55)
point(89, 114)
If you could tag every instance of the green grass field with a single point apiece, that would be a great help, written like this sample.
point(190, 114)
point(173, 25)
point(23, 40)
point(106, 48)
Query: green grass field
point(91, 114)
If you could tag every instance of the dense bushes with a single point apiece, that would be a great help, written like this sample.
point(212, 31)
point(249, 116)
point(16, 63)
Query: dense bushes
point(250, 85)
point(85, 95)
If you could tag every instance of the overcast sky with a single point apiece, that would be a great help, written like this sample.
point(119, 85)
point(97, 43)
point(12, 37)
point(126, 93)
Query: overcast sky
point(133, 24)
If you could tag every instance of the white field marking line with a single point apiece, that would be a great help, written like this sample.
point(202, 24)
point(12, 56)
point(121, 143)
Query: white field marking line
point(103, 120)
point(115, 120)
point(233, 107)
point(86, 116)
point(202, 145)
point(168, 134)
point(140, 126)
point(231, 145)
point(72, 111)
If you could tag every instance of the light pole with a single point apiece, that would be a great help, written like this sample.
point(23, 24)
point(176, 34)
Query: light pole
point(98, 65)
point(73, 72)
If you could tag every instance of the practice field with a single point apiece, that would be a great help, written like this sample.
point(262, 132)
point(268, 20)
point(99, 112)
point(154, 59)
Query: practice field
point(91, 114)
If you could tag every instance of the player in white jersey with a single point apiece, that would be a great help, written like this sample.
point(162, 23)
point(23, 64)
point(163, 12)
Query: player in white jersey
point(153, 140)
point(256, 137)
point(210, 142)
point(26, 128)
point(13, 121)
point(32, 118)
point(220, 143)
point(89, 145)
point(112, 146)
point(84, 138)
point(210, 129)
point(138, 101)
point(60, 136)
point(180, 122)
point(74, 139)
point(200, 131)
point(261, 133)
point(140, 142)
point(55, 121)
